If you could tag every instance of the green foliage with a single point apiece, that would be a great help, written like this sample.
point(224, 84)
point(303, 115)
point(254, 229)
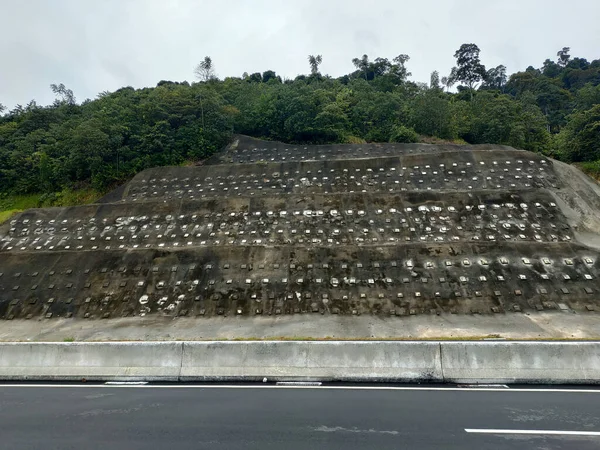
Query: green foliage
point(391, 73)
point(14, 204)
point(6, 215)
point(500, 119)
point(580, 140)
point(495, 78)
point(108, 140)
point(47, 153)
point(270, 75)
point(560, 88)
point(592, 168)
point(64, 96)
point(587, 97)
point(314, 62)
point(432, 114)
point(205, 71)
point(563, 56)
point(469, 69)
point(66, 197)
point(353, 140)
point(400, 133)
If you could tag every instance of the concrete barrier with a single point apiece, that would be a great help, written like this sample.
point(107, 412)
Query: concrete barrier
point(521, 362)
point(382, 361)
point(311, 360)
point(92, 361)
point(243, 360)
point(378, 361)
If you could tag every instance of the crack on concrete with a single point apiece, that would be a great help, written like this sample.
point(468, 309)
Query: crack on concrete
point(181, 361)
point(441, 362)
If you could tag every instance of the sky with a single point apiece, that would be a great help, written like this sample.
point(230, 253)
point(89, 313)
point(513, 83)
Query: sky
point(102, 45)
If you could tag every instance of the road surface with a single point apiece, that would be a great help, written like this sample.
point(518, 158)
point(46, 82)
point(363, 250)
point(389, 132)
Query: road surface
point(290, 418)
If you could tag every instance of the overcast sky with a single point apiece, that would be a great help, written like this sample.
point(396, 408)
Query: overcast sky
point(99, 45)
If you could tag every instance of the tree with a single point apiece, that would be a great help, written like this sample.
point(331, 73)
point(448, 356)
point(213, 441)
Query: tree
point(401, 59)
point(205, 70)
point(116, 135)
point(270, 75)
point(431, 114)
point(578, 63)
point(64, 95)
point(380, 67)
point(495, 78)
point(362, 64)
point(2, 108)
point(434, 80)
point(521, 82)
point(469, 69)
point(550, 69)
point(553, 101)
point(315, 62)
point(403, 134)
point(255, 78)
point(448, 82)
point(332, 120)
point(399, 69)
point(390, 74)
point(563, 56)
point(581, 137)
point(587, 97)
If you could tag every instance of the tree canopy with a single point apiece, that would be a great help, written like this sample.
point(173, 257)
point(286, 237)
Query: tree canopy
point(468, 69)
point(102, 142)
point(205, 70)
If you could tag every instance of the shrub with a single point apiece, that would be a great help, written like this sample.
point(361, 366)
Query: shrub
point(403, 134)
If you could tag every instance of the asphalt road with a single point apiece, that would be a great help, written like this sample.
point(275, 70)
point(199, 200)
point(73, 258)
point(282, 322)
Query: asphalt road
point(130, 418)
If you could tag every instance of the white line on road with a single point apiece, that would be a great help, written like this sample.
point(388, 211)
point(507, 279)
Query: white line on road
point(483, 386)
point(126, 383)
point(252, 386)
point(534, 432)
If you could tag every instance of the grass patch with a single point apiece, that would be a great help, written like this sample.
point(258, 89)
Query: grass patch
point(13, 204)
point(590, 168)
point(440, 141)
point(19, 202)
point(353, 140)
point(6, 215)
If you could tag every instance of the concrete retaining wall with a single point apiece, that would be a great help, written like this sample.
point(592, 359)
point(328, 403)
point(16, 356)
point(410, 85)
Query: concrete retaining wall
point(92, 361)
point(304, 360)
point(459, 362)
point(521, 362)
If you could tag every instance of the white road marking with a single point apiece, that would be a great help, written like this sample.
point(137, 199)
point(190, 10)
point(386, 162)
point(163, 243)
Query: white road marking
point(126, 383)
point(258, 386)
point(534, 432)
point(483, 386)
point(298, 383)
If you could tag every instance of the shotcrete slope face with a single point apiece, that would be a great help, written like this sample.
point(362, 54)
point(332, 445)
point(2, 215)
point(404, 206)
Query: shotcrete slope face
point(270, 228)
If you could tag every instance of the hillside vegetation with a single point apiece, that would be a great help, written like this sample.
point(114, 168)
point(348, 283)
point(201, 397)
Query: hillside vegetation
point(93, 145)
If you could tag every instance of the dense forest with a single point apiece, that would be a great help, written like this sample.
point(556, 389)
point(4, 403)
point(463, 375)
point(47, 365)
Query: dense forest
point(553, 109)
